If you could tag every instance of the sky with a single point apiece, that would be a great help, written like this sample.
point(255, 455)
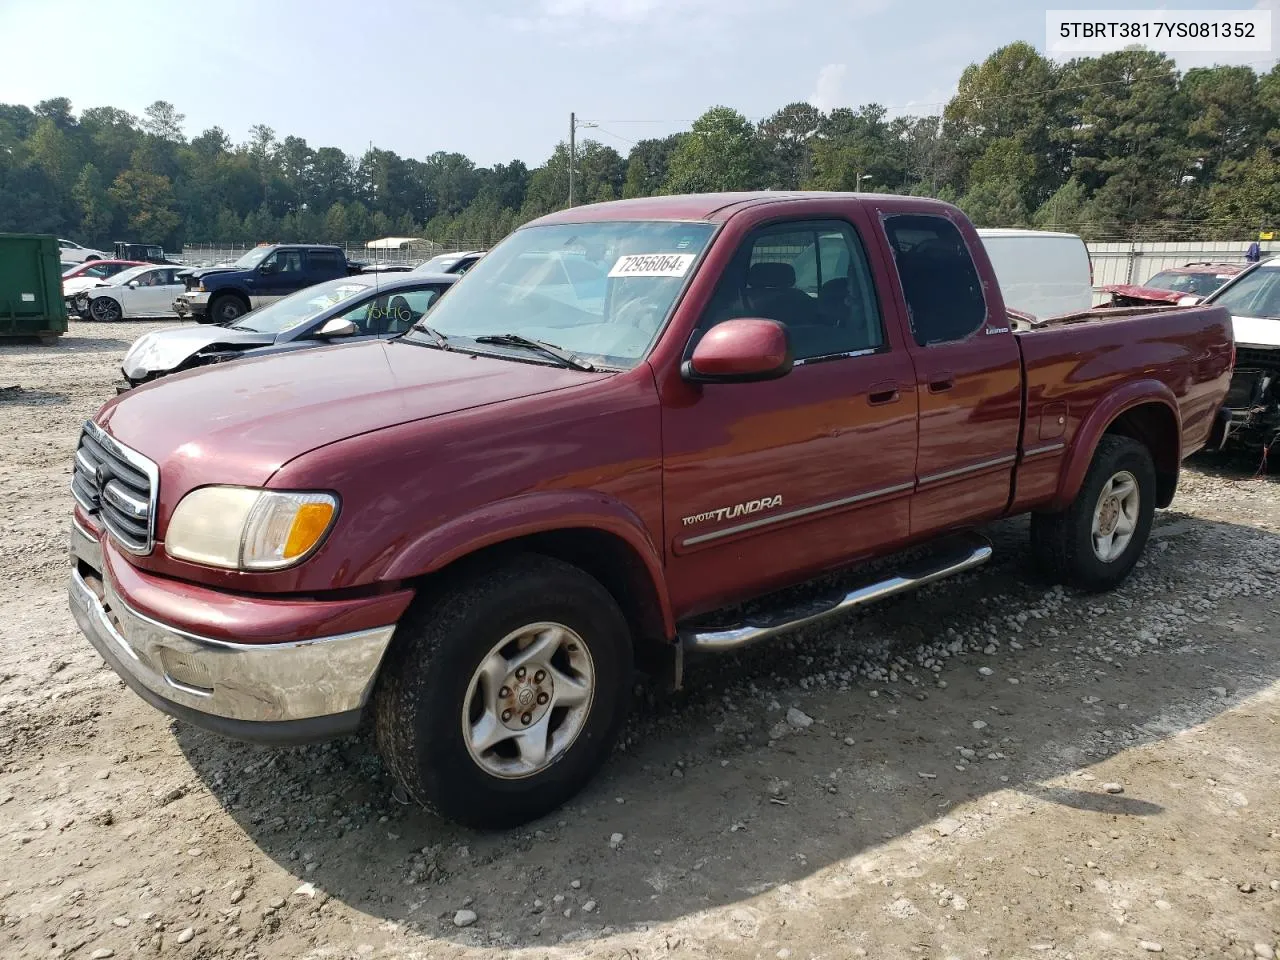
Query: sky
point(497, 80)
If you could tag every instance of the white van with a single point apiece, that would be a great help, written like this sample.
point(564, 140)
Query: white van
point(1040, 273)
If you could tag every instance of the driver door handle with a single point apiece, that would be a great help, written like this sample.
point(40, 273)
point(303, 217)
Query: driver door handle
point(886, 391)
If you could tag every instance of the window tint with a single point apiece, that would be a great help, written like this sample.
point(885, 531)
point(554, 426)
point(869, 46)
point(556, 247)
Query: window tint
point(939, 281)
point(324, 259)
point(814, 278)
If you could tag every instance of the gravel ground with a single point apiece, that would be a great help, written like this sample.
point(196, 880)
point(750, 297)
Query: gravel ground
point(990, 768)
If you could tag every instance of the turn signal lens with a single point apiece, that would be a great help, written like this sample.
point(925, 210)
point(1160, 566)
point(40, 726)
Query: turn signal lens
point(309, 525)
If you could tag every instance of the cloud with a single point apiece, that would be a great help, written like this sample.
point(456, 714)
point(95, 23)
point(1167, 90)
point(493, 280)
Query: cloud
point(828, 92)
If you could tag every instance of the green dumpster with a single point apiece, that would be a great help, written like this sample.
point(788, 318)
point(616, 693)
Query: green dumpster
point(31, 302)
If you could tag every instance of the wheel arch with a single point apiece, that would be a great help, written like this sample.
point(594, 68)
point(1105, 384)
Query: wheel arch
point(1146, 411)
point(599, 535)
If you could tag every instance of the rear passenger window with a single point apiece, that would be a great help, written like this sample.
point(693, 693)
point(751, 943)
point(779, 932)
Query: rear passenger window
point(324, 259)
point(939, 281)
point(812, 277)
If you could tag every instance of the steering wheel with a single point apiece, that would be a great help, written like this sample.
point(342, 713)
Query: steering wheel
point(639, 312)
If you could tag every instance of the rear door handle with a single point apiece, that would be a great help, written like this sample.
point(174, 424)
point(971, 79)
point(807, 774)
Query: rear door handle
point(884, 392)
point(941, 383)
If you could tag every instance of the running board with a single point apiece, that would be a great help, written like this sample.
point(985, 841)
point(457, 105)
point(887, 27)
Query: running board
point(957, 557)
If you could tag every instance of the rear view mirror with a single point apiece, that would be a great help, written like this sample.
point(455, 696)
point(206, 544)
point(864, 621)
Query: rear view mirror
point(337, 327)
point(740, 351)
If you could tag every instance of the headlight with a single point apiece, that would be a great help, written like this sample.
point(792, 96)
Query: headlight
point(201, 289)
point(240, 528)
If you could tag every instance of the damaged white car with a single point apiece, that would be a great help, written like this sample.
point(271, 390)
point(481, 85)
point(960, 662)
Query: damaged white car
point(1251, 412)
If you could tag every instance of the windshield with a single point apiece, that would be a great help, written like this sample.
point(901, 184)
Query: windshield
point(1255, 294)
point(124, 276)
point(252, 258)
point(296, 309)
point(1200, 284)
point(601, 290)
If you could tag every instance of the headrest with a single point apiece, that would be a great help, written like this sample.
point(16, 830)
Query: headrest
point(770, 274)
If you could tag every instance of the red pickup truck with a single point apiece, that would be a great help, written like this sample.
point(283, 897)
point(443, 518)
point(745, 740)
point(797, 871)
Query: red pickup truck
point(469, 535)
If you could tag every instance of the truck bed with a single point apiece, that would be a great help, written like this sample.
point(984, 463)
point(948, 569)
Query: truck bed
point(1072, 362)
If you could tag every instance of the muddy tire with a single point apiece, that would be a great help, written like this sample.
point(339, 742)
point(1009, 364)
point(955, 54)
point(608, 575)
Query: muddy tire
point(1094, 543)
point(503, 692)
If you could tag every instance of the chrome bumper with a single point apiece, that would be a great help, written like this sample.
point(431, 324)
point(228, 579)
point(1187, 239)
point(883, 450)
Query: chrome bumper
point(316, 687)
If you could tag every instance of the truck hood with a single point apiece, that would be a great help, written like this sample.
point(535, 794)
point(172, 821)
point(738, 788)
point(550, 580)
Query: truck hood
point(163, 350)
point(1145, 294)
point(240, 422)
point(1256, 332)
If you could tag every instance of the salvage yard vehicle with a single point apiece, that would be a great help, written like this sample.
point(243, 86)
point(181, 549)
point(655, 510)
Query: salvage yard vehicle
point(469, 534)
point(1251, 413)
point(261, 276)
point(347, 310)
point(94, 273)
point(1184, 285)
point(71, 252)
point(145, 291)
point(147, 252)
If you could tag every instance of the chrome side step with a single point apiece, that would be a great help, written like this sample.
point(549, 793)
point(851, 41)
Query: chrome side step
point(965, 554)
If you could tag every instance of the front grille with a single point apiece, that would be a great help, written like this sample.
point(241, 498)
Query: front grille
point(1261, 359)
point(118, 486)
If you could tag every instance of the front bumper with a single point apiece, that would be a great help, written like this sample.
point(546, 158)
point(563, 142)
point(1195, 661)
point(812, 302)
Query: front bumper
point(191, 305)
point(280, 693)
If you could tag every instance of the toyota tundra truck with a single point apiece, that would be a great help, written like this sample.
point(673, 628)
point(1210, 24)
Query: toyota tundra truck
point(470, 536)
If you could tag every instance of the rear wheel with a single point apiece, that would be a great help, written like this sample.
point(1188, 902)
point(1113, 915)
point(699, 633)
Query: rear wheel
point(1095, 542)
point(105, 310)
point(503, 693)
point(227, 309)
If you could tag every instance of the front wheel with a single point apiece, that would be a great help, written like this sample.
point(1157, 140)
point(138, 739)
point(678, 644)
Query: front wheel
point(1096, 541)
point(105, 310)
point(503, 693)
point(227, 309)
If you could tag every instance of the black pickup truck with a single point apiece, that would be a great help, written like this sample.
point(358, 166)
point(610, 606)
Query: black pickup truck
point(261, 276)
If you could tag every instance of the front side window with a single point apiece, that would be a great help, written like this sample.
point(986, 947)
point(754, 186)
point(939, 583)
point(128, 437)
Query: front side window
point(285, 261)
point(939, 280)
point(392, 313)
point(601, 290)
point(812, 277)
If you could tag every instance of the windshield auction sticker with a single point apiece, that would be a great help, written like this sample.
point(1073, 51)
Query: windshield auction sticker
point(653, 265)
point(1170, 31)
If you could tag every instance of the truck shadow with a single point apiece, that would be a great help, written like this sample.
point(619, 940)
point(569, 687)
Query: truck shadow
point(717, 797)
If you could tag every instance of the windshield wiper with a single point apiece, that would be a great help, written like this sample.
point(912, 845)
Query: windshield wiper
point(548, 349)
point(440, 339)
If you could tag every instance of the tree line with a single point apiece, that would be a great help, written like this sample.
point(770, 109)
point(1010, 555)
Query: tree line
point(1116, 146)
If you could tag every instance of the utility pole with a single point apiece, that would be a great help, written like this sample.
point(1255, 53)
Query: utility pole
point(574, 124)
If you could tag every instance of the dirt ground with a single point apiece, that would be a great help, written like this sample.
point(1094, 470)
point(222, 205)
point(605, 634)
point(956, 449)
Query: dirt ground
point(991, 768)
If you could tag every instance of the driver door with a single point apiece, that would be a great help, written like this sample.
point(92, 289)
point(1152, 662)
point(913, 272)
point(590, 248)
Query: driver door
point(766, 483)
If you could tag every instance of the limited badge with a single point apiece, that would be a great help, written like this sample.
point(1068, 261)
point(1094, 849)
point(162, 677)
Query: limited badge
point(653, 265)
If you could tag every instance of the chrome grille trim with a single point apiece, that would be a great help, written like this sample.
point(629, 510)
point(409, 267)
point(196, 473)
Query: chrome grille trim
point(117, 485)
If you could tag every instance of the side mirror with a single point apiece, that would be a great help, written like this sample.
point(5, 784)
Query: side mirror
point(133, 284)
point(740, 351)
point(268, 267)
point(336, 327)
